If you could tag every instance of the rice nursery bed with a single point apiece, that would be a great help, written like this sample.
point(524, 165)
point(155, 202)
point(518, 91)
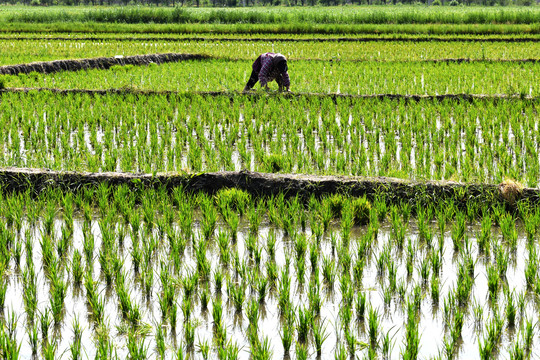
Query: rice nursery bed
point(111, 273)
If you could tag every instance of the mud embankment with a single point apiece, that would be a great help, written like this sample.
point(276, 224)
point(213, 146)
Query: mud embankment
point(47, 67)
point(256, 95)
point(265, 184)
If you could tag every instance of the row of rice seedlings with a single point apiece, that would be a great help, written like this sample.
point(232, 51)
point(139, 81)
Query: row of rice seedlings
point(353, 77)
point(138, 235)
point(17, 51)
point(370, 137)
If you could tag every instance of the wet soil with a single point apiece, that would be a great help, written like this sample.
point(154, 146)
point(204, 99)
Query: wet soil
point(47, 67)
point(262, 184)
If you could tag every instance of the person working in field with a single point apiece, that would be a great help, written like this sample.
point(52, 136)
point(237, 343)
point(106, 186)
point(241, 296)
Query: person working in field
point(269, 67)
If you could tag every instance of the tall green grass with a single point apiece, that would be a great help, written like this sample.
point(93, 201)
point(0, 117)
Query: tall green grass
point(348, 15)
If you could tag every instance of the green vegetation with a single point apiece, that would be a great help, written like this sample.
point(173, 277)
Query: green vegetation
point(298, 53)
point(189, 274)
point(121, 271)
point(363, 137)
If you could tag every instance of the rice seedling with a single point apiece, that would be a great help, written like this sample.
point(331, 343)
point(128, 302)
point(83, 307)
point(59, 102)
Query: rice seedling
point(76, 345)
point(304, 321)
point(204, 349)
point(262, 350)
point(49, 350)
point(373, 327)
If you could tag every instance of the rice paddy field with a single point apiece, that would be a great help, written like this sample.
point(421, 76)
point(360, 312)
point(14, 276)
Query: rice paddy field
point(424, 95)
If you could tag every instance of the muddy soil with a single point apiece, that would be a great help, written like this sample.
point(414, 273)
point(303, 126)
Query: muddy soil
point(256, 95)
point(47, 67)
point(265, 184)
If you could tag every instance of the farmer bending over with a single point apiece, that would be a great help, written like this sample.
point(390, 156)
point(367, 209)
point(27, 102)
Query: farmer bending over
point(269, 67)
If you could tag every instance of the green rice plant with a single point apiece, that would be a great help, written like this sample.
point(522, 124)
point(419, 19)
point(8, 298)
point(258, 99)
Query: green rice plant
point(252, 312)
point(435, 289)
point(75, 347)
point(502, 259)
point(76, 267)
point(517, 352)
point(387, 344)
point(449, 348)
point(509, 231)
point(351, 341)
point(373, 327)
point(341, 352)
point(189, 334)
point(204, 348)
point(304, 321)
point(398, 228)
point(261, 350)
point(217, 310)
point(493, 280)
point(45, 322)
point(328, 270)
point(412, 336)
point(458, 231)
point(271, 272)
point(528, 335)
point(319, 334)
point(49, 350)
point(230, 350)
point(425, 268)
point(361, 305)
point(485, 348)
point(3, 290)
point(218, 280)
point(136, 347)
point(238, 296)
point(510, 310)
point(301, 351)
point(358, 272)
point(33, 337)
point(287, 334)
point(484, 238)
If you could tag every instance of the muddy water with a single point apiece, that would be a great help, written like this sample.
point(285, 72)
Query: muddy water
point(432, 326)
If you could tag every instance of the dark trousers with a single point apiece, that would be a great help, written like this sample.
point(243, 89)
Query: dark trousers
point(252, 80)
point(255, 77)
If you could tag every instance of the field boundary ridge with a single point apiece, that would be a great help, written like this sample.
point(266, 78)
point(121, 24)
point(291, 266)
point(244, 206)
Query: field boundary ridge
point(47, 67)
point(285, 39)
point(261, 94)
point(263, 184)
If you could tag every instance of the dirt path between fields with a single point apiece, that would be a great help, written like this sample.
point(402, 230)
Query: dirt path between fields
point(260, 94)
point(47, 67)
point(265, 184)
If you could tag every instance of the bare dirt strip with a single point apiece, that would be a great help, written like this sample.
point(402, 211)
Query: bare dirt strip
point(275, 39)
point(266, 184)
point(47, 67)
point(255, 95)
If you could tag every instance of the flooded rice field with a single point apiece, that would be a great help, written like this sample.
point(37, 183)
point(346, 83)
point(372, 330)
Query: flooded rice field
point(157, 275)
